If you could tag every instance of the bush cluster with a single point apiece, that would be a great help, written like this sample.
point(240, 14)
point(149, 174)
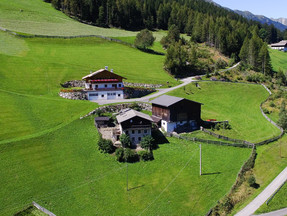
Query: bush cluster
point(145, 155)
point(224, 125)
point(106, 146)
point(126, 155)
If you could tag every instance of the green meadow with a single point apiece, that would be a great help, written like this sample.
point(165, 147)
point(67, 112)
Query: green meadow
point(49, 155)
point(64, 172)
point(278, 60)
point(38, 17)
point(237, 103)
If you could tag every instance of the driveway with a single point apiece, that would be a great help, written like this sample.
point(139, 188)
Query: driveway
point(264, 195)
point(281, 212)
point(185, 81)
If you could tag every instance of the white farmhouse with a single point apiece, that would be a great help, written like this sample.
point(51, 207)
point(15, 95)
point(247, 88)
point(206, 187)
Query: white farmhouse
point(104, 85)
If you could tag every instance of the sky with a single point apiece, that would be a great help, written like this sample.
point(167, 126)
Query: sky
point(268, 8)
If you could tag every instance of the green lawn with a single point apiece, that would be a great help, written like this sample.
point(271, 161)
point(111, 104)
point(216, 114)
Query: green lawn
point(64, 172)
point(268, 165)
point(278, 201)
point(279, 60)
point(50, 62)
point(38, 17)
point(237, 103)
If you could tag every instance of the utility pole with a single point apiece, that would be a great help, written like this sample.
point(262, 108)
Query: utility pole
point(127, 177)
point(199, 159)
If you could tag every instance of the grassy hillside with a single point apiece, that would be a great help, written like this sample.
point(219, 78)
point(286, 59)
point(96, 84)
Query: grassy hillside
point(64, 172)
point(38, 17)
point(279, 60)
point(237, 103)
point(268, 158)
point(45, 63)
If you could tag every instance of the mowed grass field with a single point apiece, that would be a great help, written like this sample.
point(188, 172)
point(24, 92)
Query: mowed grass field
point(64, 172)
point(38, 17)
point(237, 103)
point(32, 69)
point(270, 161)
point(279, 60)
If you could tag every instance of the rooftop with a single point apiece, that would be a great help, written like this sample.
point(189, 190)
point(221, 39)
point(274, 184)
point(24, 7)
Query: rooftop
point(100, 71)
point(166, 100)
point(129, 113)
point(281, 43)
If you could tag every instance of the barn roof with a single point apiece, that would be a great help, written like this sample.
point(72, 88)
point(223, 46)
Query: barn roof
point(128, 113)
point(166, 100)
point(280, 44)
point(101, 71)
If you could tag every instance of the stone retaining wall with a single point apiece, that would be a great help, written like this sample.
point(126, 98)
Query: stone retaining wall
point(81, 95)
point(142, 85)
point(117, 107)
point(74, 83)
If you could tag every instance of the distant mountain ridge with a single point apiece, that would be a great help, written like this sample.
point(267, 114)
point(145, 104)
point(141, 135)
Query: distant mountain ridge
point(281, 20)
point(280, 23)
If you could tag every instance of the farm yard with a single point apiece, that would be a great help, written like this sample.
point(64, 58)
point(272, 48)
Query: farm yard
point(49, 155)
point(65, 172)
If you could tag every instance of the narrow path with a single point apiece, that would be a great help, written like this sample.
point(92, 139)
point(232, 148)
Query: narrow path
point(281, 212)
point(264, 195)
point(185, 81)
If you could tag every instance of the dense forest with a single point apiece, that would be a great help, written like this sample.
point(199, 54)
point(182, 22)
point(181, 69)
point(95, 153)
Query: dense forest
point(203, 21)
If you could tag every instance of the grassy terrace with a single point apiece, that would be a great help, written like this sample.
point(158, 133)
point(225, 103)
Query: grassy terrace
point(278, 60)
point(268, 165)
point(64, 172)
point(237, 103)
point(38, 17)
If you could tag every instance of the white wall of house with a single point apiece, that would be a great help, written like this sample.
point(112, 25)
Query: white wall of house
point(105, 95)
point(171, 126)
point(104, 85)
point(136, 134)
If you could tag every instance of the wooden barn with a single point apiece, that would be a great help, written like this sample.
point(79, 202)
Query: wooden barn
point(176, 114)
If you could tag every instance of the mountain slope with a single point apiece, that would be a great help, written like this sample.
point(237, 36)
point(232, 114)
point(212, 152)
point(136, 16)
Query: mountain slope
point(281, 20)
point(262, 19)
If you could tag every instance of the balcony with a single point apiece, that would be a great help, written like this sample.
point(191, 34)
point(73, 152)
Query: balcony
point(104, 89)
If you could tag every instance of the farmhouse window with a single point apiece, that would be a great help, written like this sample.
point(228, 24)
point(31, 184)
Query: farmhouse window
point(119, 95)
point(139, 131)
point(145, 131)
point(133, 131)
point(139, 139)
point(103, 95)
point(120, 85)
point(106, 86)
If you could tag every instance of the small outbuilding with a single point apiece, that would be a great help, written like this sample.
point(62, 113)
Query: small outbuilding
point(135, 124)
point(176, 114)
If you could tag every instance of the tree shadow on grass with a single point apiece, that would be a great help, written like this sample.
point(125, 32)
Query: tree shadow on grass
point(214, 173)
point(135, 187)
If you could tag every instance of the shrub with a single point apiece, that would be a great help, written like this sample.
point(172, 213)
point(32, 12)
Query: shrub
point(126, 155)
point(266, 111)
point(120, 155)
point(145, 155)
point(217, 127)
point(106, 146)
point(125, 140)
point(147, 142)
point(251, 181)
point(220, 64)
point(272, 104)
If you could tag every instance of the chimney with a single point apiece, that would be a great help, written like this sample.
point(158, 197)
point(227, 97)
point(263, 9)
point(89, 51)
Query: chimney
point(112, 70)
point(106, 67)
point(91, 72)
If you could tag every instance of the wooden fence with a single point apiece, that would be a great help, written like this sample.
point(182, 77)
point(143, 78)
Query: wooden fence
point(195, 139)
point(43, 209)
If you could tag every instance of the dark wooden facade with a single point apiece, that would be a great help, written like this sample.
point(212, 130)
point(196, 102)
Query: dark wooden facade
point(104, 75)
point(183, 110)
point(136, 122)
